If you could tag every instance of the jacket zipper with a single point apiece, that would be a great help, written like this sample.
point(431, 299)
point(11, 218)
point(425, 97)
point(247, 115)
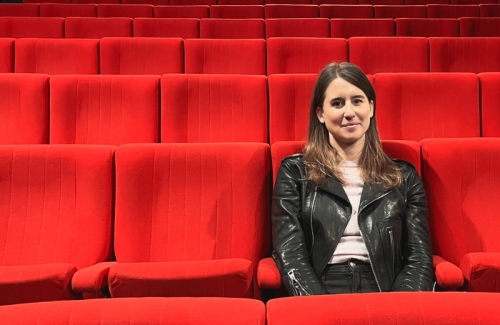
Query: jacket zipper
point(311, 218)
point(296, 285)
point(391, 237)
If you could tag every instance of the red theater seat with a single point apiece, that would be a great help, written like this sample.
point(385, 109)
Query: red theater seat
point(346, 11)
point(489, 10)
point(335, 2)
point(92, 27)
point(480, 27)
point(67, 10)
point(389, 54)
point(297, 27)
point(94, 1)
point(193, 2)
point(147, 2)
point(136, 55)
point(460, 175)
point(471, 2)
point(57, 56)
point(426, 2)
point(240, 2)
point(401, 11)
point(232, 28)
point(237, 11)
point(104, 109)
point(490, 104)
point(214, 108)
point(382, 2)
point(182, 11)
point(427, 27)
point(56, 218)
point(347, 27)
point(167, 27)
point(24, 108)
point(6, 55)
point(238, 56)
point(291, 11)
point(125, 10)
point(303, 55)
point(452, 11)
point(415, 106)
point(19, 27)
point(464, 54)
point(20, 9)
point(287, 2)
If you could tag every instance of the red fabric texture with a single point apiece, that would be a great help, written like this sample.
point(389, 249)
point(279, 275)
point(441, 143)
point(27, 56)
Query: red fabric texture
point(490, 104)
point(125, 10)
point(6, 55)
point(298, 27)
point(93, 1)
point(448, 275)
point(68, 10)
point(389, 308)
point(241, 56)
point(241, 2)
point(481, 271)
point(136, 56)
point(232, 28)
point(382, 2)
point(17, 27)
point(20, 9)
point(352, 27)
point(303, 55)
point(452, 11)
point(415, 106)
point(425, 2)
point(268, 275)
point(237, 11)
point(346, 11)
point(459, 54)
point(489, 10)
point(214, 108)
point(471, 2)
point(57, 56)
point(192, 2)
point(167, 27)
point(389, 54)
point(93, 27)
point(479, 27)
point(91, 279)
point(193, 11)
point(211, 278)
point(400, 11)
point(24, 108)
point(147, 2)
point(291, 11)
point(427, 27)
point(342, 2)
point(104, 109)
point(207, 202)
point(54, 1)
point(287, 2)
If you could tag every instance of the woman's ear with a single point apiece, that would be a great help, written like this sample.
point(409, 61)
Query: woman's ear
point(372, 111)
point(319, 114)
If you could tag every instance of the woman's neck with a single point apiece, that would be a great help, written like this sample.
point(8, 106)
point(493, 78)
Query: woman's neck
point(350, 152)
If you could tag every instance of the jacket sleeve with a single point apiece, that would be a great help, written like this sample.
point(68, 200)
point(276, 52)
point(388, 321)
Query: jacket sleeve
point(417, 273)
point(290, 250)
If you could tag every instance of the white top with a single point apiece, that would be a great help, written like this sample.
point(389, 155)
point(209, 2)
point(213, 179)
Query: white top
point(351, 244)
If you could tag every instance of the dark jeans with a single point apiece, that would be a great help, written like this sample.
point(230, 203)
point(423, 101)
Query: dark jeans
point(349, 277)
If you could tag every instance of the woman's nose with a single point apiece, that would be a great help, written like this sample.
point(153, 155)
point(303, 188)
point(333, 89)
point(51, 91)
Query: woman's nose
point(349, 111)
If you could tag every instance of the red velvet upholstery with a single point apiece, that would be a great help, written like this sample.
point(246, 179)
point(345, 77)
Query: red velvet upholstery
point(53, 1)
point(135, 55)
point(213, 108)
point(167, 27)
point(480, 27)
point(237, 11)
point(303, 55)
point(232, 28)
point(427, 27)
point(24, 108)
point(463, 54)
point(6, 55)
point(489, 10)
point(335, 2)
point(18, 27)
point(490, 104)
point(147, 2)
point(388, 308)
point(452, 11)
point(194, 11)
point(346, 11)
point(415, 106)
point(481, 271)
point(57, 56)
point(134, 311)
point(239, 56)
point(291, 11)
point(67, 10)
point(125, 10)
point(192, 2)
point(352, 27)
point(93, 27)
point(390, 54)
point(56, 217)
point(20, 9)
point(287, 2)
point(208, 207)
point(448, 275)
point(426, 2)
point(400, 11)
point(93, 1)
point(240, 2)
point(471, 2)
point(104, 109)
point(382, 2)
point(297, 27)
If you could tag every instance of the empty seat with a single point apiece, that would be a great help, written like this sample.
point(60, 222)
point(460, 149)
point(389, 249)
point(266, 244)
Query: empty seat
point(56, 207)
point(390, 54)
point(136, 55)
point(464, 54)
point(303, 55)
point(232, 28)
point(291, 11)
point(452, 11)
point(20, 9)
point(24, 108)
point(125, 10)
point(297, 27)
point(482, 27)
point(489, 10)
point(104, 109)
point(237, 12)
point(68, 10)
point(400, 11)
point(213, 108)
point(415, 106)
point(167, 27)
point(346, 11)
point(427, 27)
point(57, 56)
point(351, 27)
point(6, 55)
point(181, 12)
point(490, 104)
point(92, 27)
point(19, 27)
point(238, 56)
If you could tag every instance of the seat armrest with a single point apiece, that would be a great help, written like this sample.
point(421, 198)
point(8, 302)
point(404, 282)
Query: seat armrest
point(268, 275)
point(91, 279)
point(448, 275)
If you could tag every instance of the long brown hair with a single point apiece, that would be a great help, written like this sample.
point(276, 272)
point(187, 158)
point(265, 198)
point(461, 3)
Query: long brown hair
point(321, 158)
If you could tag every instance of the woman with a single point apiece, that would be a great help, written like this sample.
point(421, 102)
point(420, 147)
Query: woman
point(347, 218)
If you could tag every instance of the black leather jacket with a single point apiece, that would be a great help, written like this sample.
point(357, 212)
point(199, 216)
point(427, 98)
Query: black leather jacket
point(308, 222)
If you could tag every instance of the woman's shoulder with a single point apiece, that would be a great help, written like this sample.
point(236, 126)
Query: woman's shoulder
point(407, 168)
point(294, 164)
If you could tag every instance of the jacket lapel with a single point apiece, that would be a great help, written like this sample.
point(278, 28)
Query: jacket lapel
point(334, 187)
point(371, 193)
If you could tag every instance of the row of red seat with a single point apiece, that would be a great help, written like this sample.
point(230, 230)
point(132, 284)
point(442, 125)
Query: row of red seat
point(110, 109)
point(245, 12)
point(193, 219)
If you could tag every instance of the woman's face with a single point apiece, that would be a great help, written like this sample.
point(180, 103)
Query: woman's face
point(346, 113)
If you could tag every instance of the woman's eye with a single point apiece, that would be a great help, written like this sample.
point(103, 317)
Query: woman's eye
point(358, 101)
point(337, 104)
